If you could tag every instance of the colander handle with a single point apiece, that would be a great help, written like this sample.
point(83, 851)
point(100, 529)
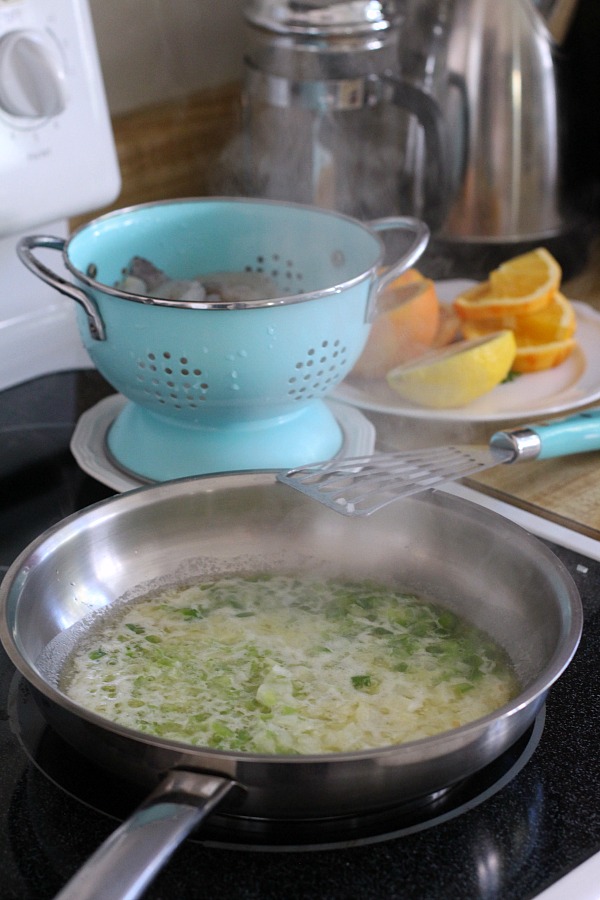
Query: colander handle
point(420, 239)
point(25, 253)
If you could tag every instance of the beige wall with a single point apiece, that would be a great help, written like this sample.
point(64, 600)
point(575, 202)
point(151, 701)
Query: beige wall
point(156, 50)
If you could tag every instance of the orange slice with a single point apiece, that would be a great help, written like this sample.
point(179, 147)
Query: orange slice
point(521, 286)
point(409, 276)
point(539, 357)
point(405, 328)
point(544, 339)
point(554, 322)
point(448, 327)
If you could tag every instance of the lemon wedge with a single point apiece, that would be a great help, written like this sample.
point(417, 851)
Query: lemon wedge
point(457, 374)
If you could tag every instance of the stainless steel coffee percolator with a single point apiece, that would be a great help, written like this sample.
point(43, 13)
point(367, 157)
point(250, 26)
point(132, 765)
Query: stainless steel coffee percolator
point(326, 110)
point(443, 109)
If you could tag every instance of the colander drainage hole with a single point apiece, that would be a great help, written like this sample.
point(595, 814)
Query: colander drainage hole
point(318, 380)
point(176, 392)
point(278, 269)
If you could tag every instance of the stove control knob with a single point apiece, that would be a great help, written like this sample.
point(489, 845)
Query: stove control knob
point(32, 75)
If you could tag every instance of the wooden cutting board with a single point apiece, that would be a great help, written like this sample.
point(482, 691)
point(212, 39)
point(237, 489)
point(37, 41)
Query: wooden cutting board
point(566, 491)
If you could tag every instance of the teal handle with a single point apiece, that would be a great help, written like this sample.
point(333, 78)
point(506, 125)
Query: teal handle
point(576, 434)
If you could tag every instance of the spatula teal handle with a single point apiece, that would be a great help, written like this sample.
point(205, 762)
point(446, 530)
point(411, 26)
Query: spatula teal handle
point(561, 437)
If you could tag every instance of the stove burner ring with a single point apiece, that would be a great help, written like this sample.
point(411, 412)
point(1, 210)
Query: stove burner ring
point(107, 794)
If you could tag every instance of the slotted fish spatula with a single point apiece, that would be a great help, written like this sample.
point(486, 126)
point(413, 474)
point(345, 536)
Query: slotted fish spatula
point(358, 486)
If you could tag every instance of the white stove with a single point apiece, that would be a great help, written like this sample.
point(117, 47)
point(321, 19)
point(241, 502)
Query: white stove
point(57, 160)
point(534, 828)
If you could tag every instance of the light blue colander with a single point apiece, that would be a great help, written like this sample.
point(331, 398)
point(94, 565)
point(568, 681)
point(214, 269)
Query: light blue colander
point(218, 387)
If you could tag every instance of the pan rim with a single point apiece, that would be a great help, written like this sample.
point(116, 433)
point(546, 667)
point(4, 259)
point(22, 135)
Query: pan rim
point(533, 695)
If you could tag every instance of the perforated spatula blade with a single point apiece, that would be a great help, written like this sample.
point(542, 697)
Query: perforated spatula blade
point(359, 486)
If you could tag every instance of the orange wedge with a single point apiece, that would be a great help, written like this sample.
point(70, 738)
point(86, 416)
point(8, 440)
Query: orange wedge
point(554, 322)
point(406, 326)
point(539, 357)
point(409, 276)
point(544, 339)
point(448, 327)
point(521, 286)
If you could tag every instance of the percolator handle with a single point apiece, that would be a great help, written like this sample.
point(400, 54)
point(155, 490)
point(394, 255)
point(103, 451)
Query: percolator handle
point(420, 238)
point(25, 253)
point(425, 108)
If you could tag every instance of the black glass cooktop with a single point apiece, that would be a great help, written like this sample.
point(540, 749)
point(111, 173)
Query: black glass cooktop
point(529, 821)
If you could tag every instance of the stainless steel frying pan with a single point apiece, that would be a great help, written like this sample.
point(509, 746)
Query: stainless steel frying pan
point(477, 563)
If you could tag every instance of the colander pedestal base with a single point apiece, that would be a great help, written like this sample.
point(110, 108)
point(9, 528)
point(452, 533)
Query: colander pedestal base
point(158, 448)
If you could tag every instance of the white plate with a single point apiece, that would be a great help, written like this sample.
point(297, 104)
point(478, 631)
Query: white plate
point(88, 443)
point(574, 383)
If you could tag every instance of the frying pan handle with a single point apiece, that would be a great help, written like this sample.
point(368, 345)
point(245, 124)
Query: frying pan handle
point(420, 238)
point(25, 253)
point(126, 863)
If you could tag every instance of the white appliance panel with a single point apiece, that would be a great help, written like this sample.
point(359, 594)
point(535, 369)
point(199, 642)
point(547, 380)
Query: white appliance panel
point(57, 153)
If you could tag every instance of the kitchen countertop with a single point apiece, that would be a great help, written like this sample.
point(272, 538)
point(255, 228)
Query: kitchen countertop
point(176, 150)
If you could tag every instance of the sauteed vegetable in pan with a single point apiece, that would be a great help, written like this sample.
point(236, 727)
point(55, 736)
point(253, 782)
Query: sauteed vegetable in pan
point(478, 567)
point(287, 664)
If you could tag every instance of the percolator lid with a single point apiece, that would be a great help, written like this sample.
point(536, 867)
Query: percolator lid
point(323, 16)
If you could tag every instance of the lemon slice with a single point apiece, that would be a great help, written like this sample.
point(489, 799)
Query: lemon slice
point(458, 374)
